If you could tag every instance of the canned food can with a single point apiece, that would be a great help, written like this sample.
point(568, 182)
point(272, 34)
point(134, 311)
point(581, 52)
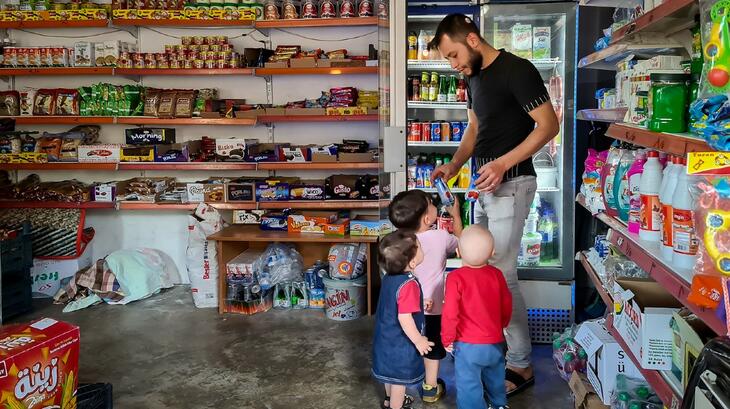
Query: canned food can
point(210, 40)
point(456, 131)
point(186, 40)
point(169, 48)
point(435, 131)
point(163, 64)
point(226, 47)
point(150, 64)
point(198, 40)
point(445, 131)
point(160, 56)
point(188, 64)
point(198, 64)
point(214, 47)
point(221, 40)
point(210, 64)
point(204, 47)
point(175, 64)
point(425, 131)
point(222, 55)
point(179, 48)
point(221, 64)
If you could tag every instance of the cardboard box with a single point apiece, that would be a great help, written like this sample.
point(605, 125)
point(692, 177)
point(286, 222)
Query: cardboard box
point(310, 221)
point(84, 54)
point(99, 153)
point(150, 136)
point(347, 111)
point(606, 359)
point(324, 158)
point(643, 320)
point(137, 154)
point(214, 192)
point(247, 216)
point(277, 64)
point(344, 62)
point(177, 152)
point(272, 191)
point(343, 187)
point(195, 192)
point(104, 192)
point(49, 276)
point(294, 154)
point(240, 192)
point(304, 62)
point(241, 267)
point(369, 226)
point(275, 221)
point(584, 395)
point(305, 111)
point(690, 335)
point(232, 149)
point(276, 111)
point(40, 363)
point(340, 227)
point(155, 185)
point(251, 113)
point(264, 152)
point(356, 157)
point(307, 190)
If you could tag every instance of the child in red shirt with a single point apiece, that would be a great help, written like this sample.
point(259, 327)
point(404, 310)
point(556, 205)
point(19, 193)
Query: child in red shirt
point(477, 308)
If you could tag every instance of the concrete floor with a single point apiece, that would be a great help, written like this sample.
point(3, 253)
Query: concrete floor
point(164, 353)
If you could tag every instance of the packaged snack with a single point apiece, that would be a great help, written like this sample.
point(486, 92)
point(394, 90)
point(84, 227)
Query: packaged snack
point(337, 54)
point(9, 103)
point(27, 143)
point(347, 8)
point(184, 104)
point(27, 98)
point(328, 8)
point(309, 9)
point(151, 101)
point(44, 102)
point(166, 109)
point(365, 8)
point(289, 10)
point(51, 146)
point(67, 102)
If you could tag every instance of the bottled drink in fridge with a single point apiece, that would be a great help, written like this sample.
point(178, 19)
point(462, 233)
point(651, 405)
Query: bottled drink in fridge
point(412, 46)
point(461, 90)
point(424, 86)
point(443, 89)
point(415, 89)
point(423, 53)
point(433, 87)
point(453, 84)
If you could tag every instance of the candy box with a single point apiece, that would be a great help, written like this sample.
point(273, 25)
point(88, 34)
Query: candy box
point(275, 221)
point(310, 221)
point(247, 216)
point(150, 136)
point(265, 152)
point(369, 226)
point(273, 190)
point(99, 153)
point(232, 149)
point(240, 191)
point(340, 227)
point(307, 190)
point(39, 364)
point(343, 187)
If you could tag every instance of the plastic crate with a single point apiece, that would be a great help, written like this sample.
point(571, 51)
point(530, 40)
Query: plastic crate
point(16, 298)
point(94, 396)
point(16, 254)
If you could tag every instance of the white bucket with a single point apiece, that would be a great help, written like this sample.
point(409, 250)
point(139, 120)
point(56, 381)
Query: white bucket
point(545, 169)
point(345, 300)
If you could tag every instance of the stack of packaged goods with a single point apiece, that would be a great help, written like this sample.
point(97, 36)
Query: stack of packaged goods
point(182, 10)
point(290, 9)
point(195, 52)
point(435, 131)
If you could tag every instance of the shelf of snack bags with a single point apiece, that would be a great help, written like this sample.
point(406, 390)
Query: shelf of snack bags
point(268, 119)
point(668, 17)
point(646, 255)
point(86, 17)
point(317, 22)
point(602, 115)
point(676, 144)
point(317, 71)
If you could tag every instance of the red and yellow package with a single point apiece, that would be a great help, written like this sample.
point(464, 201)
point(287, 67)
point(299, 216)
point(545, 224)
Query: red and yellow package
point(39, 365)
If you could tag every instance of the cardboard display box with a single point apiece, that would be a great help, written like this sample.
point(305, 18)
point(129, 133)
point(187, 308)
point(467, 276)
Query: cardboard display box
point(276, 111)
point(49, 276)
point(150, 136)
point(265, 152)
point(310, 221)
point(251, 113)
point(606, 359)
point(356, 157)
point(104, 192)
point(294, 154)
point(369, 226)
point(690, 336)
point(340, 227)
point(177, 152)
point(643, 321)
point(276, 221)
point(307, 190)
point(305, 111)
point(99, 153)
point(214, 192)
point(247, 216)
point(303, 62)
point(274, 189)
point(584, 395)
point(125, 192)
point(137, 154)
point(240, 191)
point(40, 363)
point(195, 192)
point(232, 149)
point(277, 64)
point(241, 267)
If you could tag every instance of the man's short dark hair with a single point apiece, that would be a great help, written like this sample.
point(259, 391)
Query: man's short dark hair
point(457, 27)
point(396, 250)
point(407, 208)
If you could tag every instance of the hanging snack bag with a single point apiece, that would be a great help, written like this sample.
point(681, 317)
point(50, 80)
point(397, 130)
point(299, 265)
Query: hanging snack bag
point(328, 9)
point(27, 97)
point(184, 104)
point(365, 8)
point(67, 102)
point(151, 101)
point(44, 102)
point(347, 8)
point(166, 109)
point(9, 103)
point(289, 10)
point(309, 9)
point(51, 146)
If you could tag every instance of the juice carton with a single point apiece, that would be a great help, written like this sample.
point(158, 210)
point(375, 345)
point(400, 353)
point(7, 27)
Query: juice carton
point(39, 365)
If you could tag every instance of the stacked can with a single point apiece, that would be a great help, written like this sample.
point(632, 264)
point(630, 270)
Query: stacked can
point(198, 52)
point(436, 131)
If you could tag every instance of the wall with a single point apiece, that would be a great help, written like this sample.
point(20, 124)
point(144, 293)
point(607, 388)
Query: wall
point(167, 230)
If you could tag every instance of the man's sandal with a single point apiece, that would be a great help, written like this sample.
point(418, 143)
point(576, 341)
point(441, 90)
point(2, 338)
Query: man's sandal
point(520, 383)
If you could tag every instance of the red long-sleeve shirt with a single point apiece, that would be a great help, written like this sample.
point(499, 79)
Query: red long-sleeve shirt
point(477, 306)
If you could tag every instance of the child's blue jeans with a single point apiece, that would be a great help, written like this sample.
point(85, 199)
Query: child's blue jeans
point(479, 368)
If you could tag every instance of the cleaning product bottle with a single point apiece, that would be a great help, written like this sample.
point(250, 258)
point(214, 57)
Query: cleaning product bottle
point(621, 191)
point(684, 238)
point(650, 212)
point(529, 254)
point(634, 176)
point(666, 197)
point(608, 173)
point(546, 229)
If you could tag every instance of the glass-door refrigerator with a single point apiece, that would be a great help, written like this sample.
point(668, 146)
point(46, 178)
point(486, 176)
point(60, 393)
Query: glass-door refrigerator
point(435, 111)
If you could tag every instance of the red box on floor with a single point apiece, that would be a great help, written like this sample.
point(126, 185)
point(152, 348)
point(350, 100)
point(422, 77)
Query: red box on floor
point(39, 364)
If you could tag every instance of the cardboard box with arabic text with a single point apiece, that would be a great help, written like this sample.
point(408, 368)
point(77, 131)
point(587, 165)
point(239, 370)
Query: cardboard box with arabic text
point(39, 364)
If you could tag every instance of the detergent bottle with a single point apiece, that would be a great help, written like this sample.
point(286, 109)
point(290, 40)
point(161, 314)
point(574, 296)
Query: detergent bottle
point(634, 177)
point(666, 193)
point(650, 211)
point(684, 238)
point(608, 173)
point(621, 191)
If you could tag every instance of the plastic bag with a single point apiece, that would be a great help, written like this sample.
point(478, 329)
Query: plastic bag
point(618, 266)
point(280, 263)
point(631, 393)
point(202, 257)
point(568, 355)
point(347, 261)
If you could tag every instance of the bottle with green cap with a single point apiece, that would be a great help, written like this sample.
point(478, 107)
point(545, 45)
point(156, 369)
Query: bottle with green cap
point(623, 400)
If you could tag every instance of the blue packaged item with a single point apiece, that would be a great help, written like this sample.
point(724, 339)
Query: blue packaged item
point(419, 177)
point(435, 131)
point(711, 120)
point(272, 192)
point(316, 299)
point(276, 221)
point(456, 131)
point(472, 195)
point(447, 198)
point(427, 171)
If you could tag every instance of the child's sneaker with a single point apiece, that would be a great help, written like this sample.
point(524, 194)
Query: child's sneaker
point(432, 394)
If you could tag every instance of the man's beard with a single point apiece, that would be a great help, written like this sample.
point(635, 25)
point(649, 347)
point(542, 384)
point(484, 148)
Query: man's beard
point(475, 62)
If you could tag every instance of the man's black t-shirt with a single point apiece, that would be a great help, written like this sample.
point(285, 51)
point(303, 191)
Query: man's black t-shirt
point(501, 96)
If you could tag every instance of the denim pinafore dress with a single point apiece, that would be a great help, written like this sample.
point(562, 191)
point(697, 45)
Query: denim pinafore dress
point(395, 359)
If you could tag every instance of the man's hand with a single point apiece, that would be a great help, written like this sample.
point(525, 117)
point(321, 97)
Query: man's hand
point(423, 345)
point(490, 176)
point(455, 210)
point(446, 172)
point(449, 348)
point(427, 305)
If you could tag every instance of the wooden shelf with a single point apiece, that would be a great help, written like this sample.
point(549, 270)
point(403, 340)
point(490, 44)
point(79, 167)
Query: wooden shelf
point(646, 256)
point(187, 166)
point(316, 118)
point(317, 71)
point(141, 120)
point(602, 115)
point(318, 165)
point(325, 205)
point(318, 22)
point(607, 58)
point(602, 291)
point(17, 72)
point(182, 206)
point(654, 378)
point(174, 72)
point(58, 166)
point(55, 205)
point(677, 144)
point(255, 234)
point(669, 17)
point(62, 120)
point(54, 24)
point(181, 23)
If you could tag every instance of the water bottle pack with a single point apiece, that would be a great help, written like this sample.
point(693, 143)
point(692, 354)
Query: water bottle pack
point(568, 355)
point(634, 394)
